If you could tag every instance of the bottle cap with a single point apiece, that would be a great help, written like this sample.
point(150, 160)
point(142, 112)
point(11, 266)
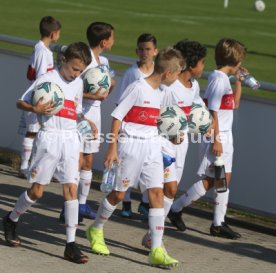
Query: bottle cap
point(218, 161)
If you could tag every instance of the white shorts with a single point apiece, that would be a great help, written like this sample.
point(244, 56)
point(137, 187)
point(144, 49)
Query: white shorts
point(92, 113)
point(140, 162)
point(207, 157)
point(28, 123)
point(55, 153)
point(175, 170)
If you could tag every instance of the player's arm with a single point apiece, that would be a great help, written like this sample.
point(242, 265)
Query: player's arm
point(40, 108)
point(237, 90)
point(112, 154)
point(217, 146)
point(96, 96)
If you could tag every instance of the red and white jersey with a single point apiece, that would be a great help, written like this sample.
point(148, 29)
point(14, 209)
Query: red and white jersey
point(41, 61)
point(139, 110)
point(65, 119)
point(132, 74)
point(182, 96)
point(94, 63)
point(219, 97)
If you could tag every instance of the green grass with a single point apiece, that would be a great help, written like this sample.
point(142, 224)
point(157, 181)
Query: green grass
point(170, 21)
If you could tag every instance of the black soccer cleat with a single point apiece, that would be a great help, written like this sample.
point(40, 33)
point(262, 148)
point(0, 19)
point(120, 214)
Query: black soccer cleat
point(224, 231)
point(176, 220)
point(11, 237)
point(73, 254)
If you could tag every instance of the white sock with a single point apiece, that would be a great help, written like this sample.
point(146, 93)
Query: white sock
point(127, 195)
point(220, 207)
point(156, 226)
point(145, 198)
point(193, 193)
point(167, 205)
point(27, 146)
point(22, 205)
point(71, 214)
point(105, 210)
point(84, 185)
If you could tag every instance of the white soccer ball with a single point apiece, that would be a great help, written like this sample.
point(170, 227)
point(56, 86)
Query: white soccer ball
point(200, 119)
point(50, 92)
point(259, 5)
point(95, 78)
point(171, 121)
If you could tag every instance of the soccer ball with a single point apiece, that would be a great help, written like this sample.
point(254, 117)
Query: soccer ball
point(95, 78)
point(50, 92)
point(199, 120)
point(259, 5)
point(171, 121)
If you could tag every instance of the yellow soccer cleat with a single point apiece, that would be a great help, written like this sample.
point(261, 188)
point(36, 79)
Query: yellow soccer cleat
point(96, 239)
point(158, 257)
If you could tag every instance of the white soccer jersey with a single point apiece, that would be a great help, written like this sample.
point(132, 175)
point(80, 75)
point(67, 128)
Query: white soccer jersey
point(65, 119)
point(139, 110)
point(132, 74)
point(94, 63)
point(219, 98)
point(41, 61)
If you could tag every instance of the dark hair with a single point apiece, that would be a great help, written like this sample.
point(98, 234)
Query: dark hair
point(78, 50)
point(191, 51)
point(47, 25)
point(168, 59)
point(98, 31)
point(229, 52)
point(147, 37)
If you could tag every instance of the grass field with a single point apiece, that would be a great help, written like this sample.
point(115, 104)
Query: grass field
point(203, 20)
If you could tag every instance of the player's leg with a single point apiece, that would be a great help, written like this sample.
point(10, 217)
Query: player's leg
point(126, 211)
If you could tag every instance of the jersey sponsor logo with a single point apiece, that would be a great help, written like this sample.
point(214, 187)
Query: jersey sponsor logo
point(227, 102)
point(68, 110)
point(143, 115)
point(50, 69)
point(31, 73)
point(146, 102)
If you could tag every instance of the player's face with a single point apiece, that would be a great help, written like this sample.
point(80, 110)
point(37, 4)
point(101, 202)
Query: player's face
point(55, 36)
point(234, 69)
point(71, 69)
point(146, 52)
point(198, 69)
point(108, 43)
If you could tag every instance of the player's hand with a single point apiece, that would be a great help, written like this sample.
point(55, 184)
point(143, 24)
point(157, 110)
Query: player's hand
point(95, 132)
point(217, 148)
point(98, 95)
point(240, 74)
point(44, 108)
point(111, 156)
point(178, 139)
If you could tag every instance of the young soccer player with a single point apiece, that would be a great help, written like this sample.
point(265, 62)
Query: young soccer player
point(100, 36)
point(139, 154)
point(221, 101)
point(183, 92)
point(41, 62)
point(56, 149)
point(146, 51)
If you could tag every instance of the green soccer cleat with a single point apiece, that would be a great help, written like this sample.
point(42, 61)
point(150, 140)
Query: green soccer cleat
point(96, 239)
point(158, 257)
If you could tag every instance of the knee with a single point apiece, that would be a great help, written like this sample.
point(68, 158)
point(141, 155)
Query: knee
point(115, 197)
point(35, 194)
point(170, 189)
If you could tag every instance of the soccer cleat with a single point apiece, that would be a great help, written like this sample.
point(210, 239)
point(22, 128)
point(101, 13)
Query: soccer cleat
point(86, 212)
point(143, 209)
point(126, 211)
point(176, 220)
point(9, 226)
point(146, 242)
point(224, 231)
point(73, 254)
point(159, 257)
point(96, 238)
point(62, 217)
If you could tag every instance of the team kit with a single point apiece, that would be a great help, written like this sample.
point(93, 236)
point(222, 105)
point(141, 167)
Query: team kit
point(158, 106)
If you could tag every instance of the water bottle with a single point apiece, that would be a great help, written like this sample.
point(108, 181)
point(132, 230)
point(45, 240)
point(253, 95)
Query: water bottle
point(249, 80)
point(84, 127)
point(220, 179)
point(108, 178)
point(167, 160)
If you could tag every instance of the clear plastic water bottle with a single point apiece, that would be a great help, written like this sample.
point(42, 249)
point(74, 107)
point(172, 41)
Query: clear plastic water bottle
point(84, 127)
point(167, 160)
point(108, 178)
point(249, 80)
point(220, 178)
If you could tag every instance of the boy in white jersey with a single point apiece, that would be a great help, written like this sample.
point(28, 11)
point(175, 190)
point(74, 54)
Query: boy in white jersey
point(139, 154)
point(41, 62)
point(221, 101)
point(146, 51)
point(56, 149)
point(100, 36)
point(183, 92)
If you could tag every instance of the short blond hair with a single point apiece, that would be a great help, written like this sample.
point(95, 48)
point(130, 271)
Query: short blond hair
point(168, 59)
